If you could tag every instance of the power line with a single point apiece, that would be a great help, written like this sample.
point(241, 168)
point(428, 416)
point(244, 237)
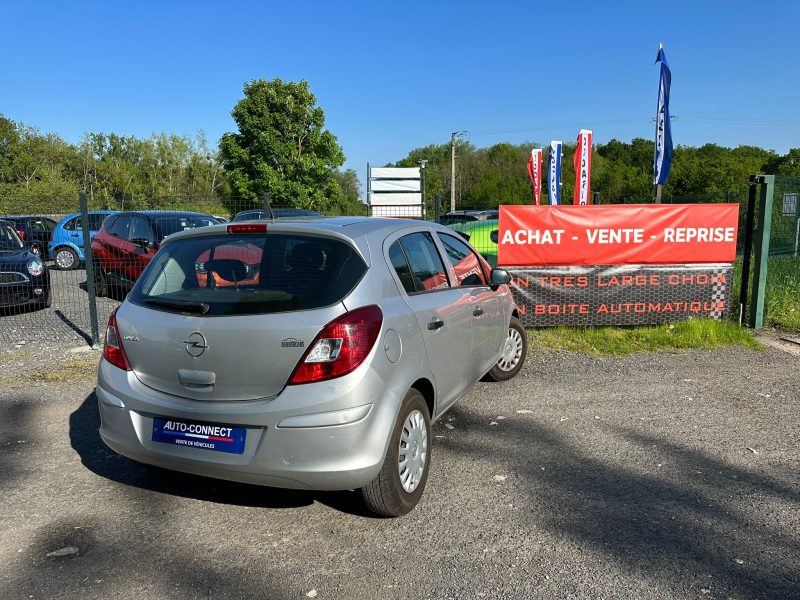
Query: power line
point(574, 124)
point(557, 125)
point(743, 121)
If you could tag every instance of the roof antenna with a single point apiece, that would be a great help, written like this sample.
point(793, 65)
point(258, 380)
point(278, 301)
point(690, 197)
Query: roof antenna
point(267, 207)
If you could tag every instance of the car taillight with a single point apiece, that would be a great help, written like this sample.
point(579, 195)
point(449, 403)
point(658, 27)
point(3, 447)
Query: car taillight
point(340, 347)
point(21, 234)
point(113, 351)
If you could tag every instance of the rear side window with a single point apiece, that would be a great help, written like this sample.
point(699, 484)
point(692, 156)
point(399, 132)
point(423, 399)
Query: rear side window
point(231, 274)
point(400, 264)
point(465, 262)
point(9, 240)
point(426, 269)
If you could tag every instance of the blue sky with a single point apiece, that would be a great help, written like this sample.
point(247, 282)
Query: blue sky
point(392, 77)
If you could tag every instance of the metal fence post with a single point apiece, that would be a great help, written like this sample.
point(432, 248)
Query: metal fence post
point(747, 247)
point(437, 207)
point(87, 252)
point(762, 251)
point(268, 214)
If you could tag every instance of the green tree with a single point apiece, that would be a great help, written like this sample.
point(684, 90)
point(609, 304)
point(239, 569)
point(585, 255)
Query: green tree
point(350, 187)
point(281, 147)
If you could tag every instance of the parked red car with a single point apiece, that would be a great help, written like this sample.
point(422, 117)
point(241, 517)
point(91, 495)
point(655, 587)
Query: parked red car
point(127, 242)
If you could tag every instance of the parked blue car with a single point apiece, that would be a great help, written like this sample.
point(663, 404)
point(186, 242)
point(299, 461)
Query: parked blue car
point(66, 246)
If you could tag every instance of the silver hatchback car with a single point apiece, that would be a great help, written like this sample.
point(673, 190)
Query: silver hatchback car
point(305, 354)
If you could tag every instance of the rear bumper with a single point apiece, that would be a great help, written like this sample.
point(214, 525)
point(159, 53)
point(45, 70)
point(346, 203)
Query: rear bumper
point(347, 455)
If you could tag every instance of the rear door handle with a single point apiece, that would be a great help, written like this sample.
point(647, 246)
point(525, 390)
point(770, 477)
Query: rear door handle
point(477, 312)
point(435, 324)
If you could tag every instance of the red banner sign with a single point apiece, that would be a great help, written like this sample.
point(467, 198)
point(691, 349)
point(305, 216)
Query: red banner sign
point(535, 171)
point(582, 161)
point(617, 234)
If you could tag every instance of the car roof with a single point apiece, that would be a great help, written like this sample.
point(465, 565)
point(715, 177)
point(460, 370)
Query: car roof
point(165, 213)
point(91, 212)
point(15, 217)
point(349, 227)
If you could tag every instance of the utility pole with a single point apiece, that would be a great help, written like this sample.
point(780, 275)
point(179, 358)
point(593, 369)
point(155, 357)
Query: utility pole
point(453, 168)
point(422, 164)
point(453, 171)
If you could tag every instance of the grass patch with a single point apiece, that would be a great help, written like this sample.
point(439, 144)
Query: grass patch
point(782, 300)
point(697, 333)
point(73, 369)
point(81, 367)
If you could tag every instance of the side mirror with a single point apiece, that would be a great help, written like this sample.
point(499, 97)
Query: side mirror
point(144, 244)
point(499, 277)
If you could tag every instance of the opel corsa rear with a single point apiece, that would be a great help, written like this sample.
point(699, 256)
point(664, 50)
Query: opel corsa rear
point(307, 354)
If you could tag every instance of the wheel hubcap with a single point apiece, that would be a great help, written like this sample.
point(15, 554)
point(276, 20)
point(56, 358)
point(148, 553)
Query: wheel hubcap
point(413, 451)
point(64, 259)
point(512, 351)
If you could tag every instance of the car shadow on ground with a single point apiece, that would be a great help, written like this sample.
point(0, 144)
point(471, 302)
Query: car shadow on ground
point(692, 516)
point(100, 460)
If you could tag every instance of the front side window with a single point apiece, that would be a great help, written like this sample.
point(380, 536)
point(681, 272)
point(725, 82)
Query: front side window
point(465, 262)
point(119, 227)
point(427, 269)
point(42, 225)
point(140, 230)
point(169, 224)
point(241, 274)
point(249, 215)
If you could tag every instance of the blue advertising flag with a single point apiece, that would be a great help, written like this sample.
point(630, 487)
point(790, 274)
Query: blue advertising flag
point(663, 154)
point(554, 174)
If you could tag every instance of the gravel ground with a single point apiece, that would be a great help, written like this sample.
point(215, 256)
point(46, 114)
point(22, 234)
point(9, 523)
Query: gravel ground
point(66, 321)
point(649, 476)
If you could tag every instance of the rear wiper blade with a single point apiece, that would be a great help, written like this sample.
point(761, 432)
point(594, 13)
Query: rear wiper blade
point(196, 307)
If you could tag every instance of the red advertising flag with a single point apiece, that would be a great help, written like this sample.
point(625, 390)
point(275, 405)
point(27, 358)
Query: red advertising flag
point(535, 172)
point(583, 168)
point(617, 234)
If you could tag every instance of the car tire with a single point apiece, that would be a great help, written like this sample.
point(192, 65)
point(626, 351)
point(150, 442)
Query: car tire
point(397, 489)
point(66, 258)
point(515, 349)
point(100, 280)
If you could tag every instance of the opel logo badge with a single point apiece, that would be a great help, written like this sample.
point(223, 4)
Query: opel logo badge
point(195, 344)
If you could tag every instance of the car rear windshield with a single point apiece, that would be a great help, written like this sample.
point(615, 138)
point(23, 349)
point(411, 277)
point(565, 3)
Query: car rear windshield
point(245, 274)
